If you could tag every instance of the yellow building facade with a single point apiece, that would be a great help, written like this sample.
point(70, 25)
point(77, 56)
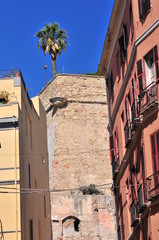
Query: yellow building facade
point(24, 177)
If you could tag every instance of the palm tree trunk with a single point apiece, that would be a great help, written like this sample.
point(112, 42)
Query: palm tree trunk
point(54, 70)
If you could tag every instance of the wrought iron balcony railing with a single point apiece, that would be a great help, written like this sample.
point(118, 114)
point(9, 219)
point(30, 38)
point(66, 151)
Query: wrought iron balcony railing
point(148, 97)
point(153, 186)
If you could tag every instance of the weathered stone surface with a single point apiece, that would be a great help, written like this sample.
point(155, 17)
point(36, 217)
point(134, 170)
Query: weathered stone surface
point(79, 156)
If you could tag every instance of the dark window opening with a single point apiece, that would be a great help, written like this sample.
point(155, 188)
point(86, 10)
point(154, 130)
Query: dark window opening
point(119, 233)
point(123, 43)
point(132, 84)
point(126, 112)
point(131, 21)
point(155, 151)
point(117, 66)
point(144, 7)
point(29, 175)
point(36, 185)
point(117, 148)
point(31, 229)
point(44, 206)
point(122, 116)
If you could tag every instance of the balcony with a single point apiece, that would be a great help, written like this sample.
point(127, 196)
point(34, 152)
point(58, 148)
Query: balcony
point(128, 134)
point(153, 187)
point(148, 98)
point(134, 219)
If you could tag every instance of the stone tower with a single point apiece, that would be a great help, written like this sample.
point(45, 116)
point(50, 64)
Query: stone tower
point(82, 205)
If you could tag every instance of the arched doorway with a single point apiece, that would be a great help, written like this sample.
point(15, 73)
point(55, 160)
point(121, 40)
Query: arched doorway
point(70, 226)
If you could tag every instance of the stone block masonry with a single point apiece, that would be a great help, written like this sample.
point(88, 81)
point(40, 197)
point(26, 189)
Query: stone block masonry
point(78, 144)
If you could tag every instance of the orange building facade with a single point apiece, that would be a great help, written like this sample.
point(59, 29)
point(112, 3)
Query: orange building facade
point(130, 63)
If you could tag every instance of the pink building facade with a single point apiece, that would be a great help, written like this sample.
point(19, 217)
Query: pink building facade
point(130, 63)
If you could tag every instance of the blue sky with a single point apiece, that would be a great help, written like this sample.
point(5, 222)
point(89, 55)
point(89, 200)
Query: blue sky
point(85, 21)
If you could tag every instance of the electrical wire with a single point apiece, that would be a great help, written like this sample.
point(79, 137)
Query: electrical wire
point(43, 190)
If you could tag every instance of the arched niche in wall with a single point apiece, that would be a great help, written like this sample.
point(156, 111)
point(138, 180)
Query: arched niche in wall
point(70, 226)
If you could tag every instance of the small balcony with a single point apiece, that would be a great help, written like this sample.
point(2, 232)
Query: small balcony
point(128, 134)
point(153, 187)
point(148, 98)
point(134, 219)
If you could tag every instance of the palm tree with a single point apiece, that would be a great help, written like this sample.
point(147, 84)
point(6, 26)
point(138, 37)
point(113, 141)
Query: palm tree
point(52, 40)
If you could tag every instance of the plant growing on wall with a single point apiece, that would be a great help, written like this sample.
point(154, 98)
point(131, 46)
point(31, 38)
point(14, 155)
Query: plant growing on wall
point(90, 190)
point(4, 97)
point(52, 40)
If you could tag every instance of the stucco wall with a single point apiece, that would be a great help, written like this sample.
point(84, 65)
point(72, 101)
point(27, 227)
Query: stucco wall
point(79, 151)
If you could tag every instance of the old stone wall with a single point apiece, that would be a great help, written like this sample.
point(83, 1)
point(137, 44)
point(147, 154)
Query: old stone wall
point(79, 156)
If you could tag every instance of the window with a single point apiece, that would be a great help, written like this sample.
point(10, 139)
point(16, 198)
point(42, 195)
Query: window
point(132, 181)
point(140, 196)
point(116, 147)
point(29, 175)
point(44, 206)
point(129, 107)
point(156, 60)
point(31, 229)
point(112, 85)
point(126, 112)
point(150, 63)
point(122, 116)
point(117, 66)
point(119, 234)
point(131, 21)
point(36, 183)
point(155, 151)
point(144, 6)
point(149, 68)
point(140, 75)
point(132, 87)
point(111, 147)
point(123, 44)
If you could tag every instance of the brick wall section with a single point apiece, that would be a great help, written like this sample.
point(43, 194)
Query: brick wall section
point(78, 143)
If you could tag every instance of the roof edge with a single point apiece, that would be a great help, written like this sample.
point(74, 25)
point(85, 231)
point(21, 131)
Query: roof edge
point(69, 74)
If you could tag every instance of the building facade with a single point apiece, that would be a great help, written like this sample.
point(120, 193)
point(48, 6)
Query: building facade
point(24, 180)
point(130, 63)
point(82, 204)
